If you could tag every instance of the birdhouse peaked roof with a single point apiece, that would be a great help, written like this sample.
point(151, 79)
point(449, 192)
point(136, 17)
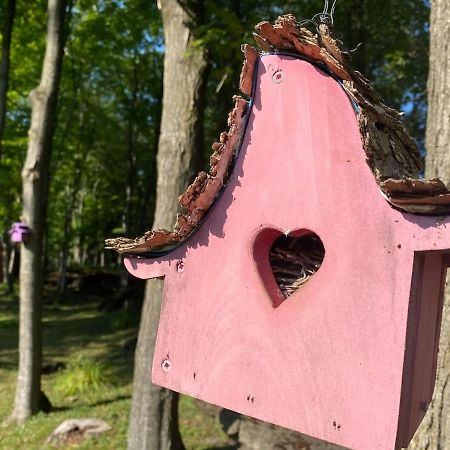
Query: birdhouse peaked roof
point(391, 153)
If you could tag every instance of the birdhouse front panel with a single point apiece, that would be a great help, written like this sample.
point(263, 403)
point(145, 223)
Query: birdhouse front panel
point(348, 355)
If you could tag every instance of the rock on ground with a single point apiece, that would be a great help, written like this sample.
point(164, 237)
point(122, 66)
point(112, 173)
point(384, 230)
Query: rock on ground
point(76, 430)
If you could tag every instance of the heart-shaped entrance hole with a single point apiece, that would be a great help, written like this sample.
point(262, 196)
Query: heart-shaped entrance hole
point(287, 262)
point(295, 260)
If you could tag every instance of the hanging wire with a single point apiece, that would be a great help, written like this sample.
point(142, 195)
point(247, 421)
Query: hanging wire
point(332, 10)
point(326, 16)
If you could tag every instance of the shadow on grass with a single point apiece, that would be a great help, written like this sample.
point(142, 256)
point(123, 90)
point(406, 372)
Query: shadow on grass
point(88, 404)
point(227, 447)
point(108, 401)
point(7, 365)
point(75, 328)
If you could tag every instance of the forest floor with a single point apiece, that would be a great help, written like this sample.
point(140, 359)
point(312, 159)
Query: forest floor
point(89, 355)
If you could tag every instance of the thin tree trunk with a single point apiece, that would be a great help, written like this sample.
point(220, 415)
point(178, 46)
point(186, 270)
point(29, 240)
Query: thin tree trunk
point(13, 259)
point(35, 180)
point(5, 262)
point(71, 207)
point(2, 261)
point(77, 251)
point(434, 432)
point(68, 218)
point(149, 191)
point(131, 171)
point(131, 157)
point(4, 65)
point(64, 254)
point(153, 420)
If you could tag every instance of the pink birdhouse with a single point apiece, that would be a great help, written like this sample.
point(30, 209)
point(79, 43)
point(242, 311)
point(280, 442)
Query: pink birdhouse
point(304, 298)
point(19, 232)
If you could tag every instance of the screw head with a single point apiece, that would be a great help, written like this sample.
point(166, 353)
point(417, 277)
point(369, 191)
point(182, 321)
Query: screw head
point(166, 365)
point(278, 76)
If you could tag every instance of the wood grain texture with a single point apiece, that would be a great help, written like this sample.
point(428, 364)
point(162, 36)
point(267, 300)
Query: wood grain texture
point(333, 359)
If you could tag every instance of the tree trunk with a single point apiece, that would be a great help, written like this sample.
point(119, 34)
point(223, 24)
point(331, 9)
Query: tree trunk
point(4, 65)
point(154, 410)
point(68, 218)
point(434, 432)
point(35, 178)
point(13, 258)
point(153, 421)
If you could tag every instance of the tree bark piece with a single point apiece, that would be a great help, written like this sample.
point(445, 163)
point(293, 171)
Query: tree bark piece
point(269, 34)
point(248, 70)
point(35, 179)
point(263, 44)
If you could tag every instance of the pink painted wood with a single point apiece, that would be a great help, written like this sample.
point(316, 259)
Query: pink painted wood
point(350, 358)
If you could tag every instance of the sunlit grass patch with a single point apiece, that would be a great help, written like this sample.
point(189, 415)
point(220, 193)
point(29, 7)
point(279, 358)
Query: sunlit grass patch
point(84, 375)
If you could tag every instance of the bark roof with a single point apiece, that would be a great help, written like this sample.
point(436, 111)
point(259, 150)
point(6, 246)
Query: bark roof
point(391, 153)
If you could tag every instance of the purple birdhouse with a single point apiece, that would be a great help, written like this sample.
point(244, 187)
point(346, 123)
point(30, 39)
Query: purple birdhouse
point(19, 232)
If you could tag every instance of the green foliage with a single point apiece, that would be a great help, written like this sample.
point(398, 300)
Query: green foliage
point(107, 125)
point(124, 319)
point(83, 375)
point(109, 122)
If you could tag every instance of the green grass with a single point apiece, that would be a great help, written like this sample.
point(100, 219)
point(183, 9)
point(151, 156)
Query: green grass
point(84, 375)
point(97, 380)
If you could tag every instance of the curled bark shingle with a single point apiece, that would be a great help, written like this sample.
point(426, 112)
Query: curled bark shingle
point(248, 69)
point(262, 43)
